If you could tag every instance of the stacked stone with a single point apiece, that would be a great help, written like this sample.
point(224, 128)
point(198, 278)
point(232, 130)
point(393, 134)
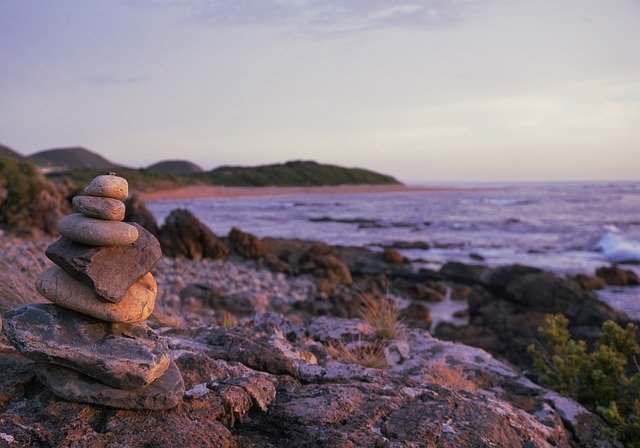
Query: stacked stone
point(91, 344)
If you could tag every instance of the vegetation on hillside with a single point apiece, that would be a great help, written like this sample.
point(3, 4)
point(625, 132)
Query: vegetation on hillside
point(602, 379)
point(27, 199)
point(76, 157)
point(175, 166)
point(295, 173)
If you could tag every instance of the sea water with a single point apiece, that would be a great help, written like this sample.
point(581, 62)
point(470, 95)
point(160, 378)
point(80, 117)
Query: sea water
point(566, 228)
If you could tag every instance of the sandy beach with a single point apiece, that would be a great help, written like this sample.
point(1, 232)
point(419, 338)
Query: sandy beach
point(207, 191)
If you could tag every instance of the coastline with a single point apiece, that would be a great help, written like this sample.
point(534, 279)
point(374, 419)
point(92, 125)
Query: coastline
point(208, 191)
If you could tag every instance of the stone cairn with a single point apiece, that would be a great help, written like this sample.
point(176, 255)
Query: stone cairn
point(91, 345)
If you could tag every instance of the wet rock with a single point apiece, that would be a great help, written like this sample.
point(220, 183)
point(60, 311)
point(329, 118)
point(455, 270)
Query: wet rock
point(617, 276)
point(109, 271)
point(101, 208)
point(120, 355)
point(60, 288)
point(183, 235)
point(322, 262)
point(589, 282)
point(417, 315)
point(137, 211)
point(393, 256)
point(96, 232)
point(108, 186)
point(163, 393)
point(246, 245)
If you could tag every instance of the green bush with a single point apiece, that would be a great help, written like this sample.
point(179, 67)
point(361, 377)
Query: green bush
point(602, 379)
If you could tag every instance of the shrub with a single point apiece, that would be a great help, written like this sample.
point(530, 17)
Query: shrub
point(602, 379)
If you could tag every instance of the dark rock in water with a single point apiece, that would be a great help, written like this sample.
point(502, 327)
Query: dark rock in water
point(137, 211)
point(589, 282)
point(322, 261)
point(393, 256)
point(120, 355)
point(422, 245)
point(246, 245)
point(164, 393)
point(183, 235)
point(616, 276)
point(465, 273)
point(476, 256)
point(109, 271)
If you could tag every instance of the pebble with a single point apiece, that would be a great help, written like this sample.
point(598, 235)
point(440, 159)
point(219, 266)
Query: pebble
point(101, 208)
point(108, 186)
point(96, 232)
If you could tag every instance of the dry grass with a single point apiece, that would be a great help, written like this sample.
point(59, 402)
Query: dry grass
point(382, 314)
point(450, 378)
point(167, 312)
point(17, 282)
point(366, 355)
point(228, 320)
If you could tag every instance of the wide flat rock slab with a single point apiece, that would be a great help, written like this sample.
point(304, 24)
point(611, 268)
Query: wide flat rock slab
point(109, 271)
point(125, 356)
point(96, 232)
point(163, 393)
point(60, 288)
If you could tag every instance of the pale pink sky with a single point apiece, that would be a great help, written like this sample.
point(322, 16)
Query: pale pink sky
point(458, 90)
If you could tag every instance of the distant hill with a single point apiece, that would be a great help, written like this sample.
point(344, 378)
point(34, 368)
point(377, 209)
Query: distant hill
point(294, 173)
point(8, 152)
point(175, 167)
point(76, 157)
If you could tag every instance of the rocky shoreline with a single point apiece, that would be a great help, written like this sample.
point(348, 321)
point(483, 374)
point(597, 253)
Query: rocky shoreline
point(269, 337)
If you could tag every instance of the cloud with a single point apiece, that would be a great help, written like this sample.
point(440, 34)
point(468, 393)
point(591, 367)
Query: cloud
point(323, 17)
point(110, 80)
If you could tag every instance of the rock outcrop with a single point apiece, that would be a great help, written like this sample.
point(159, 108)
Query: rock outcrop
point(91, 344)
point(183, 235)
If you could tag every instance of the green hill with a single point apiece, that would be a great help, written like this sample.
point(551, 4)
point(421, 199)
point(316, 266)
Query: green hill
point(76, 157)
point(8, 152)
point(294, 173)
point(175, 167)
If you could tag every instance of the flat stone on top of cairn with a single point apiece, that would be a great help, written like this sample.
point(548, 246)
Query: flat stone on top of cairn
point(90, 344)
point(108, 186)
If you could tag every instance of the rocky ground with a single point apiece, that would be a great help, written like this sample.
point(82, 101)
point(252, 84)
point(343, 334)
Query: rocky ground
point(269, 338)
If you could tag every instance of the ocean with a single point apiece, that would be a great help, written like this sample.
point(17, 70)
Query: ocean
point(566, 228)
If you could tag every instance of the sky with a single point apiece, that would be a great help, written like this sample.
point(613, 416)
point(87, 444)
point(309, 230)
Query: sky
point(427, 91)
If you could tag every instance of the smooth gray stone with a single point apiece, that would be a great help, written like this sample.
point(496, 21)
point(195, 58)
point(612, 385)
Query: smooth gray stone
point(125, 356)
point(60, 288)
point(108, 186)
point(96, 232)
point(109, 271)
point(164, 393)
point(101, 208)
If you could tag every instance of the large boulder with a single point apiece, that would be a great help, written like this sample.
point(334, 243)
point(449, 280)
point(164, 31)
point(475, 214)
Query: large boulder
point(322, 261)
point(246, 245)
point(183, 235)
point(137, 211)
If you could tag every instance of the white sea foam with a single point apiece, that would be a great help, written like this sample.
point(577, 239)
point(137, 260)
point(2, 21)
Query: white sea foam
point(616, 248)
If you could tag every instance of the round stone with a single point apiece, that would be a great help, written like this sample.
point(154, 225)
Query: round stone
point(101, 208)
point(60, 288)
point(108, 186)
point(96, 232)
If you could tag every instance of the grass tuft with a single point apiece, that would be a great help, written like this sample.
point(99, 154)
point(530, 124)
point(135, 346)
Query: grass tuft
point(367, 355)
point(167, 312)
point(382, 314)
point(450, 378)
